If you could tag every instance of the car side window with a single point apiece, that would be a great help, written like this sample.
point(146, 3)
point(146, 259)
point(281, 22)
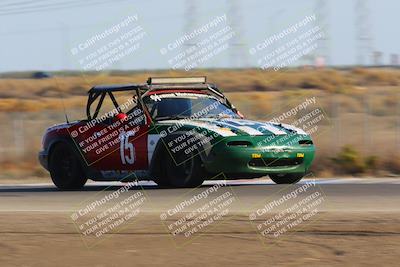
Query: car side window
point(106, 106)
point(110, 104)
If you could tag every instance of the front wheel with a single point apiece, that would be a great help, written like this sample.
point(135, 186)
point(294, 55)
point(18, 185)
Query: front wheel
point(65, 169)
point(286, 178)
point(181, 170)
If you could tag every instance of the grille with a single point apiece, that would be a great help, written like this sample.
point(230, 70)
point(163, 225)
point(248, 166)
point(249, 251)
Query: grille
point(306, 142)
point(239, 143)
point(275, 162)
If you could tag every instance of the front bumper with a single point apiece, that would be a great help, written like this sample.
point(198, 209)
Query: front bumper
point(259, 160)
point(43, 159)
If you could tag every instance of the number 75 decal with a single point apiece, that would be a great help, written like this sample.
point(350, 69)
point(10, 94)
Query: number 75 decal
point(126, 149)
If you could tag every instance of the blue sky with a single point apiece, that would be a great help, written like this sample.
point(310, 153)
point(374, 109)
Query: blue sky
point(43, 40)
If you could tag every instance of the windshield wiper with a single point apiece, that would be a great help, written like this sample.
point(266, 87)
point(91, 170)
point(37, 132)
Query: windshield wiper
point(177, 117)
point(219, 116)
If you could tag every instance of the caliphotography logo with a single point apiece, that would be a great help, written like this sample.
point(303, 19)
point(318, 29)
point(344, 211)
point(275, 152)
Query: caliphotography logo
point(190, 133)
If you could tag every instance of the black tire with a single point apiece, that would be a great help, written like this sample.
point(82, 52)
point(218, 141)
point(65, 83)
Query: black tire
point(182, 171)
point(162, 181)
point(288, 178)
point(65, 168)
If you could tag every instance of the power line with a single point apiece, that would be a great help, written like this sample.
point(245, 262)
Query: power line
point(44, 5)
point(21, 3)
point(57, 6)
point(37, 7)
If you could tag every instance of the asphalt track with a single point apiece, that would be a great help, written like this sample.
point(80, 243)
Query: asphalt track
point(341, 194)
point(357, 224)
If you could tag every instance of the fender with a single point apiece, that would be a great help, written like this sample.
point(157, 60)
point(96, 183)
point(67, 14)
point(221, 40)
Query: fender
point(66, 140)
point(155, 167)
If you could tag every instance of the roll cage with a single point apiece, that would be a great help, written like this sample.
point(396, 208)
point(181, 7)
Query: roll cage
point(153, 84)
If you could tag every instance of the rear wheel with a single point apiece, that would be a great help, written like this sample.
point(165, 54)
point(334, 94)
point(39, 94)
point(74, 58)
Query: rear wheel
point(65, 169)
point(181, 170)
point(286, 178)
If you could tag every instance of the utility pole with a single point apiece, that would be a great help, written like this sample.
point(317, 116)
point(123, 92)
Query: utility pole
point(190, 15)
point(322, 53)
point(364, 39)
point(237, 46)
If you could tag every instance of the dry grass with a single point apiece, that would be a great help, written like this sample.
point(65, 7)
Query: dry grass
point(362, 104)
point(20, 94)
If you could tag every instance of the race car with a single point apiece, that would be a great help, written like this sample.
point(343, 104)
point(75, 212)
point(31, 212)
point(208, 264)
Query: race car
point(177, 132)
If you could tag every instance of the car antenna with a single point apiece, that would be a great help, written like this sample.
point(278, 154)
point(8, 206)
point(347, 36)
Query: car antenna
point(65, 111)
point(66, 117)
point(62, 102)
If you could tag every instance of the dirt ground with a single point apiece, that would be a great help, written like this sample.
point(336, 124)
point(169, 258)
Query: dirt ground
point(335, 239)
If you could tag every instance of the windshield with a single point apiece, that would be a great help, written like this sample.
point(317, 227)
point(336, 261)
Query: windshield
point(185, 105)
